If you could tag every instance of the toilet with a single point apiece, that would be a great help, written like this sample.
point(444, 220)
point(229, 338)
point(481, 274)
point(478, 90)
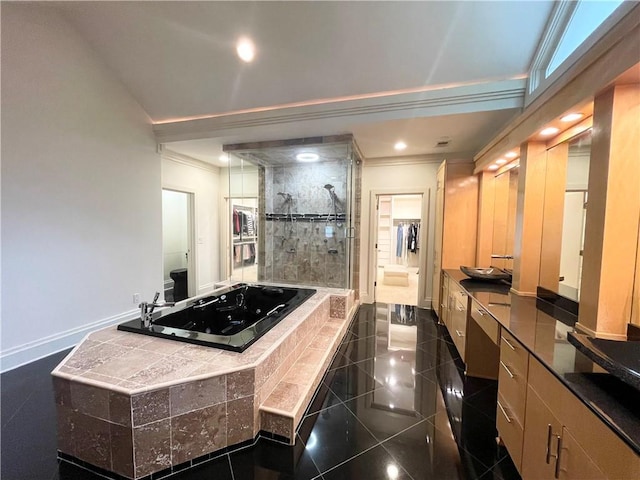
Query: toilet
point(179, 277)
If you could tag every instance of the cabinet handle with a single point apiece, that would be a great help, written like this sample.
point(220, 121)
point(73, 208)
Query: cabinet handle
point(507, 369)
point(558, 449)
point(508, 344)
point(505, 413)
point(460, 308)
point(550, 455)
point(481, 312)
point(459, 333)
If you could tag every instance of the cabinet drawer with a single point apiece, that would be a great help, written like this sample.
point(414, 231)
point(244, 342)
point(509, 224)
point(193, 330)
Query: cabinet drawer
point(512, 386)
point(486, 322)
point(458, 330)
point(513, 355)
point(510, 431)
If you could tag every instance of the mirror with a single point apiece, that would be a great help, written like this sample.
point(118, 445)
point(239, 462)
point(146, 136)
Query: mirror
point(504, 218)
point(564, 216)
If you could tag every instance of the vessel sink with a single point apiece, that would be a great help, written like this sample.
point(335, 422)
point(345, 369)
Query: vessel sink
point(490, 273)
point(618, 357)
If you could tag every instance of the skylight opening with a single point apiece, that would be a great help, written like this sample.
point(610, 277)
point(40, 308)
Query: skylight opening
point(586, 17)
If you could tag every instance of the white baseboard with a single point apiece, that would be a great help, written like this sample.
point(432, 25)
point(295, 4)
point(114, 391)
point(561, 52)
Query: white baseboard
point(15, 357)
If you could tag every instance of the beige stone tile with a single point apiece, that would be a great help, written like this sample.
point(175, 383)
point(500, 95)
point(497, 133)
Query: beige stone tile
point(62, 391)
point(90, 400)
point(92, 354)
point(127, 364)
point(284, 397)
point(152, 447)
point(130, 339)
point(164, 371)
point(301, 374)
point(241, 384)
point(198, 353)
point(105, 334)
point(161, 346)
point(191, 396)
point(122, 450)
point(196, 433)
point(150, 407)
point(120, 408)
point(277, 424)
point(312, 356)
point(240, 420)
point(92, 439)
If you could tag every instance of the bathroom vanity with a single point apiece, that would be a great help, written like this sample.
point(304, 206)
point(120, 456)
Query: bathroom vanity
point(558, 413)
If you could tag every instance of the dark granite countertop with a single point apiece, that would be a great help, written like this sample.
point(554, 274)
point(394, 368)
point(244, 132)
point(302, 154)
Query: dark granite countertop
point(542, 328)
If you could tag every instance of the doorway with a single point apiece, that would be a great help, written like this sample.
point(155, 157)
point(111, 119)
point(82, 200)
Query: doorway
point(398, 240)
point(177, 245)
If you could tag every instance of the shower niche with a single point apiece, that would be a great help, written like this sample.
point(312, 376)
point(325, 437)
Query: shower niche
point(307, 190)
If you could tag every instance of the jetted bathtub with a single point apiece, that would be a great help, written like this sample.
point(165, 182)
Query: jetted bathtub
point(231, 319)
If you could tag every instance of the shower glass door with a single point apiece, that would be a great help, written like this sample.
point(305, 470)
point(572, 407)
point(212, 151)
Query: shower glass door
point(303, 210)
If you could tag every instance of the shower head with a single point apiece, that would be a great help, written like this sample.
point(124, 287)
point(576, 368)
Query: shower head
point(329, 187)
point(286, 196)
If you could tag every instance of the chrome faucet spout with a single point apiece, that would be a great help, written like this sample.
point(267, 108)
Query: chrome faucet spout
point(146, 309)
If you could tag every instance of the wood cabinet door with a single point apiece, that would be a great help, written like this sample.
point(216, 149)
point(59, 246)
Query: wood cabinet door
point(575, 464)
point(541, 434)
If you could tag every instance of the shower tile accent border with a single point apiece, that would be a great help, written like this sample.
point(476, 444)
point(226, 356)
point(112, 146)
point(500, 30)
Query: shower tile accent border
point(188, 401)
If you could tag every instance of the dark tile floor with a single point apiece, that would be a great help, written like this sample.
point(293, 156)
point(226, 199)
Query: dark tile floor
point(393, 405)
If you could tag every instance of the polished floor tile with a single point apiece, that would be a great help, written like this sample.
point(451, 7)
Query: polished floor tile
point(394, 404)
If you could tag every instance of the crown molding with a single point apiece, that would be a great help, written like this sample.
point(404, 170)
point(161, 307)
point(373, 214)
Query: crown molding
point(436, 101)
point(176, 157)
point(452, 157)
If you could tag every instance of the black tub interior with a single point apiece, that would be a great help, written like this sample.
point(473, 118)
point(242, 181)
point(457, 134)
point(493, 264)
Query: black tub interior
point(232, 319)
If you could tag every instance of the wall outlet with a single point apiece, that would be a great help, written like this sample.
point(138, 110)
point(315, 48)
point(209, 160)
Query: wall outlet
point(136, 298)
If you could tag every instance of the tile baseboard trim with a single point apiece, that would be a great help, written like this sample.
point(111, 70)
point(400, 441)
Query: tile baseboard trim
point(15, 357)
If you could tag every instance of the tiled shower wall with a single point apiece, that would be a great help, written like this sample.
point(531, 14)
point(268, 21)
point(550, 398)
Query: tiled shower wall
point(296, 250)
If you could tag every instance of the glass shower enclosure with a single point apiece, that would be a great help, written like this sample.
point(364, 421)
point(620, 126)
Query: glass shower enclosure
point(292, 209)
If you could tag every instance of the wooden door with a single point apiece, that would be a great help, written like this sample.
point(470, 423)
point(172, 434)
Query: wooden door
point(542, 432)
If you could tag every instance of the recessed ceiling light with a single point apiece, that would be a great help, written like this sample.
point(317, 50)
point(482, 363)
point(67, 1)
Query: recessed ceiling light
point(246, 49)
point(549, 131)
point(572, 117)
point(224, 157)
point(307, 157)
point(400, 145)
point(501, 161)
point(493, 167)
point(511, 154)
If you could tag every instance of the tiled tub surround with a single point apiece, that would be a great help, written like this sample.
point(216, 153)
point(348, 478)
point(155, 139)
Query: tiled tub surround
point(136, 405)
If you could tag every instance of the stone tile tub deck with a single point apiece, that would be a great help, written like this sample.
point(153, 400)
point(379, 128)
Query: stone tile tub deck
point(136, 405)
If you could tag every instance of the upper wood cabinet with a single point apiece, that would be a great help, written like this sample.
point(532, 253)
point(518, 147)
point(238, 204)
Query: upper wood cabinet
point(456, 222)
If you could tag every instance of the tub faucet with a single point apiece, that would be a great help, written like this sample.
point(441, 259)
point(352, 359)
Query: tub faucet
point(146, 309)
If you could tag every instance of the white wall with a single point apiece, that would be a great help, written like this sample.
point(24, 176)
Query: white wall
point(382, 177)
point(81, 191)
point(203, 180)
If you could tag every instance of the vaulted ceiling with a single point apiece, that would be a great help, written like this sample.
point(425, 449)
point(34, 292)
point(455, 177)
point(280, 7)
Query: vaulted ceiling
point(422, 72)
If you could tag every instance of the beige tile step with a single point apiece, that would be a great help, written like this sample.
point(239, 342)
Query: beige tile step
point(282, 411)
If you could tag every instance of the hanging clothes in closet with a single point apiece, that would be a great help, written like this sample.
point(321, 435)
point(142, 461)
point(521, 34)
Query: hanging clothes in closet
point(412, 237)
point(399, 240)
